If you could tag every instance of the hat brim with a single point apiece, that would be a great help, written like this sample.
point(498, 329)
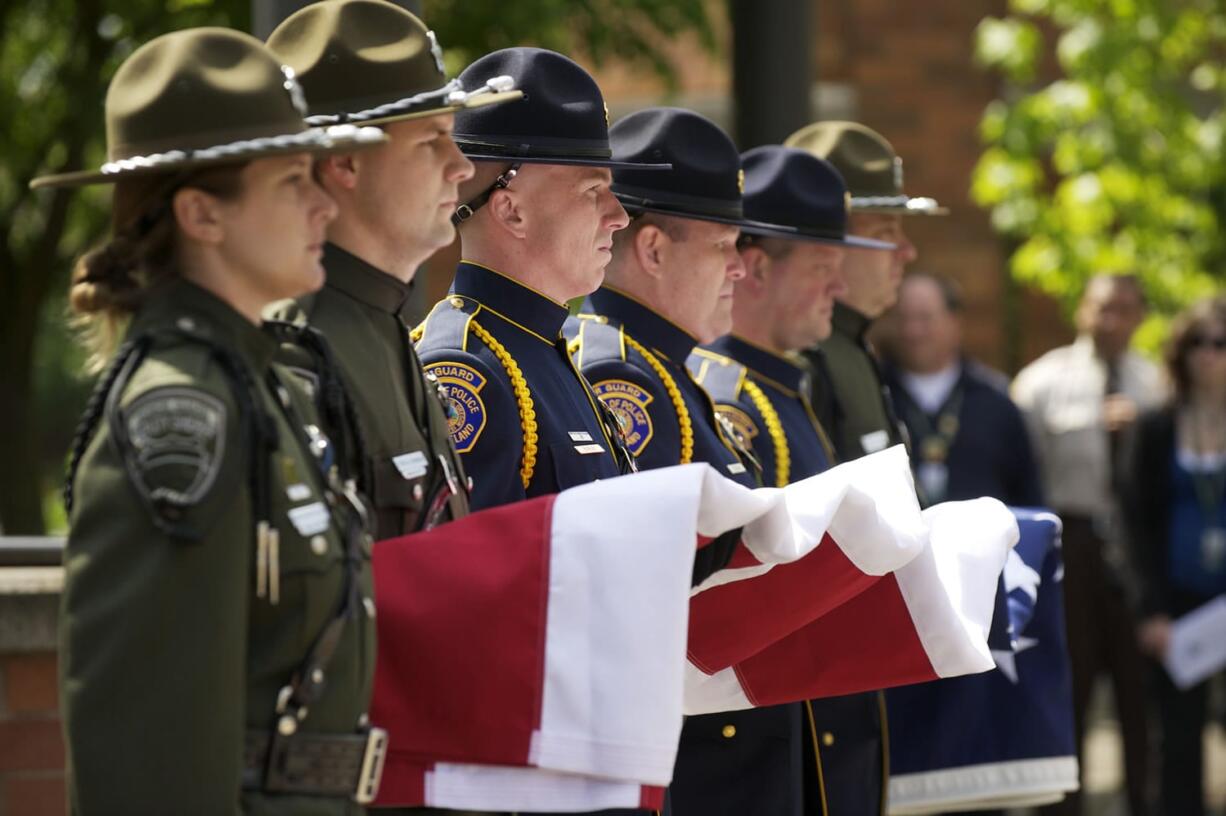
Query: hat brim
point(636, 208)
point(475, 101)
point(577, 161)
point(898, 205)
point(316, 141)
point(766, 230)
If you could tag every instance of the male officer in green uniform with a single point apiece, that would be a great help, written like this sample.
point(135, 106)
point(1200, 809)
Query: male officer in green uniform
point(861, 416)
point(852, 400)
point(793, 251)
point(371, 62)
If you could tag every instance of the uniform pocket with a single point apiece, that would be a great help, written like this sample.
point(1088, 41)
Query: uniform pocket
point(572, 467)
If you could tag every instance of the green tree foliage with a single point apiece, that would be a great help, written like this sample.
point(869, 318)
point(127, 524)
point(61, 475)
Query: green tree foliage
point(56, 59)
point(634, 31)
point(1116, 164)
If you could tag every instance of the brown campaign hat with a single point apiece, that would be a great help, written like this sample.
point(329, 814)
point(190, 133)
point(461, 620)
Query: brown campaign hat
point(205, 96)
point(371, 62)
point(869, 165)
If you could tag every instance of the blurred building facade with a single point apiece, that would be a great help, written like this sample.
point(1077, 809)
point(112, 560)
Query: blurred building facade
point(908, 71)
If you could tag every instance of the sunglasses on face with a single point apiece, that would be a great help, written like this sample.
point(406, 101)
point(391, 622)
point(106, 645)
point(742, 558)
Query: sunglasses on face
point(1204, 341)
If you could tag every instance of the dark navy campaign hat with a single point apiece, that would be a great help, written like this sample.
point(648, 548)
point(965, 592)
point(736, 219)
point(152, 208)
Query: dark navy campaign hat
point(562, 119)
point(790, 193)
point(706, 181)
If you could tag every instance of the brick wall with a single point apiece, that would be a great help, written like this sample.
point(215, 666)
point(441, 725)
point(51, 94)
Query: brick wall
point(916, 82)
point(31, 748)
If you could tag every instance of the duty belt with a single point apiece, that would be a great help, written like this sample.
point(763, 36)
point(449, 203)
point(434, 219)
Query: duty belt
point(339, 765)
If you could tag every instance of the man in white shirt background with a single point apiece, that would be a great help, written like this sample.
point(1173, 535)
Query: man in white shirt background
point(1078, 400)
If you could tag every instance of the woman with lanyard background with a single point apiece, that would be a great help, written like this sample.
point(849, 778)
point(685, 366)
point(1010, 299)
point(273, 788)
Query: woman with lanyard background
point(1177, 522)
point(217, 641)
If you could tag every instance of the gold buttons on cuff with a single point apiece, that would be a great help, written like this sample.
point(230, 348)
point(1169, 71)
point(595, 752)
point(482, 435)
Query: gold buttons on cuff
point(827, 739)
point(729, 731)
point(319, 545)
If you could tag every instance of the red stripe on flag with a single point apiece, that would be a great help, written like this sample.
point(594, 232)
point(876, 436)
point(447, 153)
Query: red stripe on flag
point(868, 643)
point(453, 602)
point(730, 623)
point(651, 798)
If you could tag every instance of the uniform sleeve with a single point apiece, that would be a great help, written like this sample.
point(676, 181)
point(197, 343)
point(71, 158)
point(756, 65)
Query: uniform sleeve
point(643, 409)
point(153, 631)
point(484, 420)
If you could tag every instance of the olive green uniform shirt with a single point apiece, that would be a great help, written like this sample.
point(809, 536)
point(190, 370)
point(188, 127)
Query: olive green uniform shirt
point(167, 654)
point(401, 417)
point(863, 421)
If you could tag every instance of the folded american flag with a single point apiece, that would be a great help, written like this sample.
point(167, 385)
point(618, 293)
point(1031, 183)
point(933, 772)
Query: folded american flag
point(534, 656)
point(1002, 739)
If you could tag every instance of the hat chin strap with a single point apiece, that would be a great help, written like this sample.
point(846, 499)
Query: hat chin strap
point(466, 211)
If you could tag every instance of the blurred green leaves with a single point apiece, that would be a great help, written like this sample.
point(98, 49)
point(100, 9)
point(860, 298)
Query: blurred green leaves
point(1113, 161)
point(635, 31)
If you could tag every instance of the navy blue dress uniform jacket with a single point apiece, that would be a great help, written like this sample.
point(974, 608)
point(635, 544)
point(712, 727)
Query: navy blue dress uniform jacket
point(842, 760)
point(635, 362)
point(990, 455)
point(525, 421)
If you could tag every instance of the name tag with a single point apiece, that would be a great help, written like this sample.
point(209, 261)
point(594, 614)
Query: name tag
point(298, 492)
point(585, 449)
point(310, 519)
point(736, 468)
point(411, 465)
point(580, 436)
point(875, 441)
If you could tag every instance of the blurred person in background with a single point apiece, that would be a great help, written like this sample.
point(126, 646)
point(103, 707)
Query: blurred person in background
point(968, 439)
point(1078, 400)
point(1176, 516)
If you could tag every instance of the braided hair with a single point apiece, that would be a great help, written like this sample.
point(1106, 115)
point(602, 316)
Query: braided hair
point(109, 282)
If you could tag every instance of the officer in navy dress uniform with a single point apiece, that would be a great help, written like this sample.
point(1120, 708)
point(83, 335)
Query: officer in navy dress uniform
point(536, 226)
point(793, 250)
point(667, 289)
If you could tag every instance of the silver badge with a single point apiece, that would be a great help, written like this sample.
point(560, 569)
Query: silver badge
point(177, 438)
point(898, 173)
point(296, 97)
point(437, 51)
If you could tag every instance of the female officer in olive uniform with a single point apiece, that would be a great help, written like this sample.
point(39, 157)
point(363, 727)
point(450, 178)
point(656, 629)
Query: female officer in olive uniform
point(217, 641)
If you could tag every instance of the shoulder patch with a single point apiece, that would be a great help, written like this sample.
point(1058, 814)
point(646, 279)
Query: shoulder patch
point(743, 426)
point(461, 386)
point(628, 402)
point(176, 438)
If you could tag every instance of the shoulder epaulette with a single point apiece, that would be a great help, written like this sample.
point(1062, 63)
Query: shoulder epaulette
point(597, 341)
point(722, 377)
point(446, 326)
